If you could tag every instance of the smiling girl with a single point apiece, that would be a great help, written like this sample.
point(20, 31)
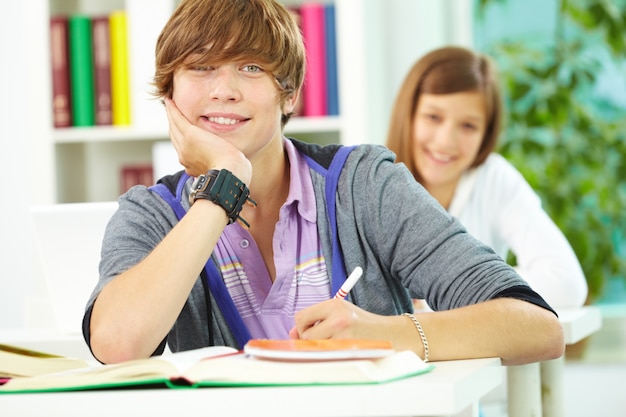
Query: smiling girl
point(444, 128)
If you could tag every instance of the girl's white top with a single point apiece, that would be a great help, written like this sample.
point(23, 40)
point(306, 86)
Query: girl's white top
point(498, 206)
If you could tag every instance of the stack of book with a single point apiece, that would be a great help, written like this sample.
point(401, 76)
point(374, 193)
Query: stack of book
point(102, 66)
point(100, 72)
point(89, 70)
point(320, 95)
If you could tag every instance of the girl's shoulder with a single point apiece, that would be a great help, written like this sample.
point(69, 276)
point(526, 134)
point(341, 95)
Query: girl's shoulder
point(498, 178)
point(497, 169)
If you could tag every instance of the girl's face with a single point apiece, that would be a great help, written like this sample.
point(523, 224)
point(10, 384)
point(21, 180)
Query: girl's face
point(448, 130)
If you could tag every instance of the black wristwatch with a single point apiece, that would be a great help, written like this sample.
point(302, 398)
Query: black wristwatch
point(225, 190)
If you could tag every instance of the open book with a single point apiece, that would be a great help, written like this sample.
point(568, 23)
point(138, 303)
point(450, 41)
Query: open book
point(16, 362)
point(227, 367)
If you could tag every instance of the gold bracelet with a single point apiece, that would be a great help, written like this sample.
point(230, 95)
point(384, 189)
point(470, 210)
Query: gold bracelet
point(418, 326)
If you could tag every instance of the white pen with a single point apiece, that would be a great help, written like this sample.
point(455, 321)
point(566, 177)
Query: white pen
point(349, 282)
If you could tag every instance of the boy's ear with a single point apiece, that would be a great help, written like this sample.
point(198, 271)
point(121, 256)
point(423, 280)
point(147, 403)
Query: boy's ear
point(290, 102)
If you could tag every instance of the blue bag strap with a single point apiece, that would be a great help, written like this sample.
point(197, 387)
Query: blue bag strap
point(339, 268)
point(214, 278)
point(174, 201)
point(181, 186)
point(339, 274)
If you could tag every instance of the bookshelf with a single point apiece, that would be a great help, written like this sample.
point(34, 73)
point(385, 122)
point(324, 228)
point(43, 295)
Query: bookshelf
point(84, 163)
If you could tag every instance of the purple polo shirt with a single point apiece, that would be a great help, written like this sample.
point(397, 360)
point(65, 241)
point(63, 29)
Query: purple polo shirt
point(301, 278)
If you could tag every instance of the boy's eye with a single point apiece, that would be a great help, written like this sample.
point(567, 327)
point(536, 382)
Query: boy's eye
point(252, 68)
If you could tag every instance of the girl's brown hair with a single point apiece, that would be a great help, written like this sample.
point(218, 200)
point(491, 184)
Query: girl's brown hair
point(445, 71)
point(216, 31)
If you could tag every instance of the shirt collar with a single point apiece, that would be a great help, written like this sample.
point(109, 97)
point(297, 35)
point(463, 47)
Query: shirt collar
point(301, 193)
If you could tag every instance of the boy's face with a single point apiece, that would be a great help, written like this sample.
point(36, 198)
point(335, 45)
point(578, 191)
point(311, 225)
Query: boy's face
point(236, 101)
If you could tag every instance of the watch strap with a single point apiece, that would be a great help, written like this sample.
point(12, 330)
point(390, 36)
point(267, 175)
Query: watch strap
point(223, 188)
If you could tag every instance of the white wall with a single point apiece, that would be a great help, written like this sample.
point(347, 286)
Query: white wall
point(399, 32)
point(19, 116)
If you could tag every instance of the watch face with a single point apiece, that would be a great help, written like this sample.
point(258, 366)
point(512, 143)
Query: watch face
point(200, 183)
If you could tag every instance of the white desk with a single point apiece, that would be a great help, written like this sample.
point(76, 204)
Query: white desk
point(451, 388)
point(537, 389)
point(49, 341)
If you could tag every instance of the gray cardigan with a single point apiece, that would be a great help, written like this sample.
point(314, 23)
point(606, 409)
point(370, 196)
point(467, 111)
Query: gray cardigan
point(408, 245)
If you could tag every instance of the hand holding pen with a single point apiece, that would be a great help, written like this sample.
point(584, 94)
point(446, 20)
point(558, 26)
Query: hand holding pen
point(312, 315)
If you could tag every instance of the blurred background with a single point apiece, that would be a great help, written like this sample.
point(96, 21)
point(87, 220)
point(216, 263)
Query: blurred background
point(563, 68)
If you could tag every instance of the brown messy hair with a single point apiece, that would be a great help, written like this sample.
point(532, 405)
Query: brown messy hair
point(217, 31)
point(445, 70)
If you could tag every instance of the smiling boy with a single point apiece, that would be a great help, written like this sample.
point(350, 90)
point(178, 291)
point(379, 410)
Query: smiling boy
point(182, 267)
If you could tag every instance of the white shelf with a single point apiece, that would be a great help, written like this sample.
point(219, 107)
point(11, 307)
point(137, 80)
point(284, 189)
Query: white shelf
point(106, 134)
point(313, 125)
point(120, 134)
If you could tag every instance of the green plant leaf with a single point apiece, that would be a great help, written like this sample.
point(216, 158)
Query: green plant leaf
point(571, 151)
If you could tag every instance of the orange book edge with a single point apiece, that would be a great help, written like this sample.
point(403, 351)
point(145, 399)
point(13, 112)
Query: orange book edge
point(319, 345)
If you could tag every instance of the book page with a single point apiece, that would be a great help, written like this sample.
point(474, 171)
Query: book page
point(101, 376)
point(158, 369)
point(243, 370)
point(185, 360)
point(16, 361)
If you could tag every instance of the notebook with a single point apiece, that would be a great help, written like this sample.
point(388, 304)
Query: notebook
point(67, 239)
point(221, 366)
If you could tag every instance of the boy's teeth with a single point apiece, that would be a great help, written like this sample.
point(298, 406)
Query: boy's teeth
point(222, 120)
